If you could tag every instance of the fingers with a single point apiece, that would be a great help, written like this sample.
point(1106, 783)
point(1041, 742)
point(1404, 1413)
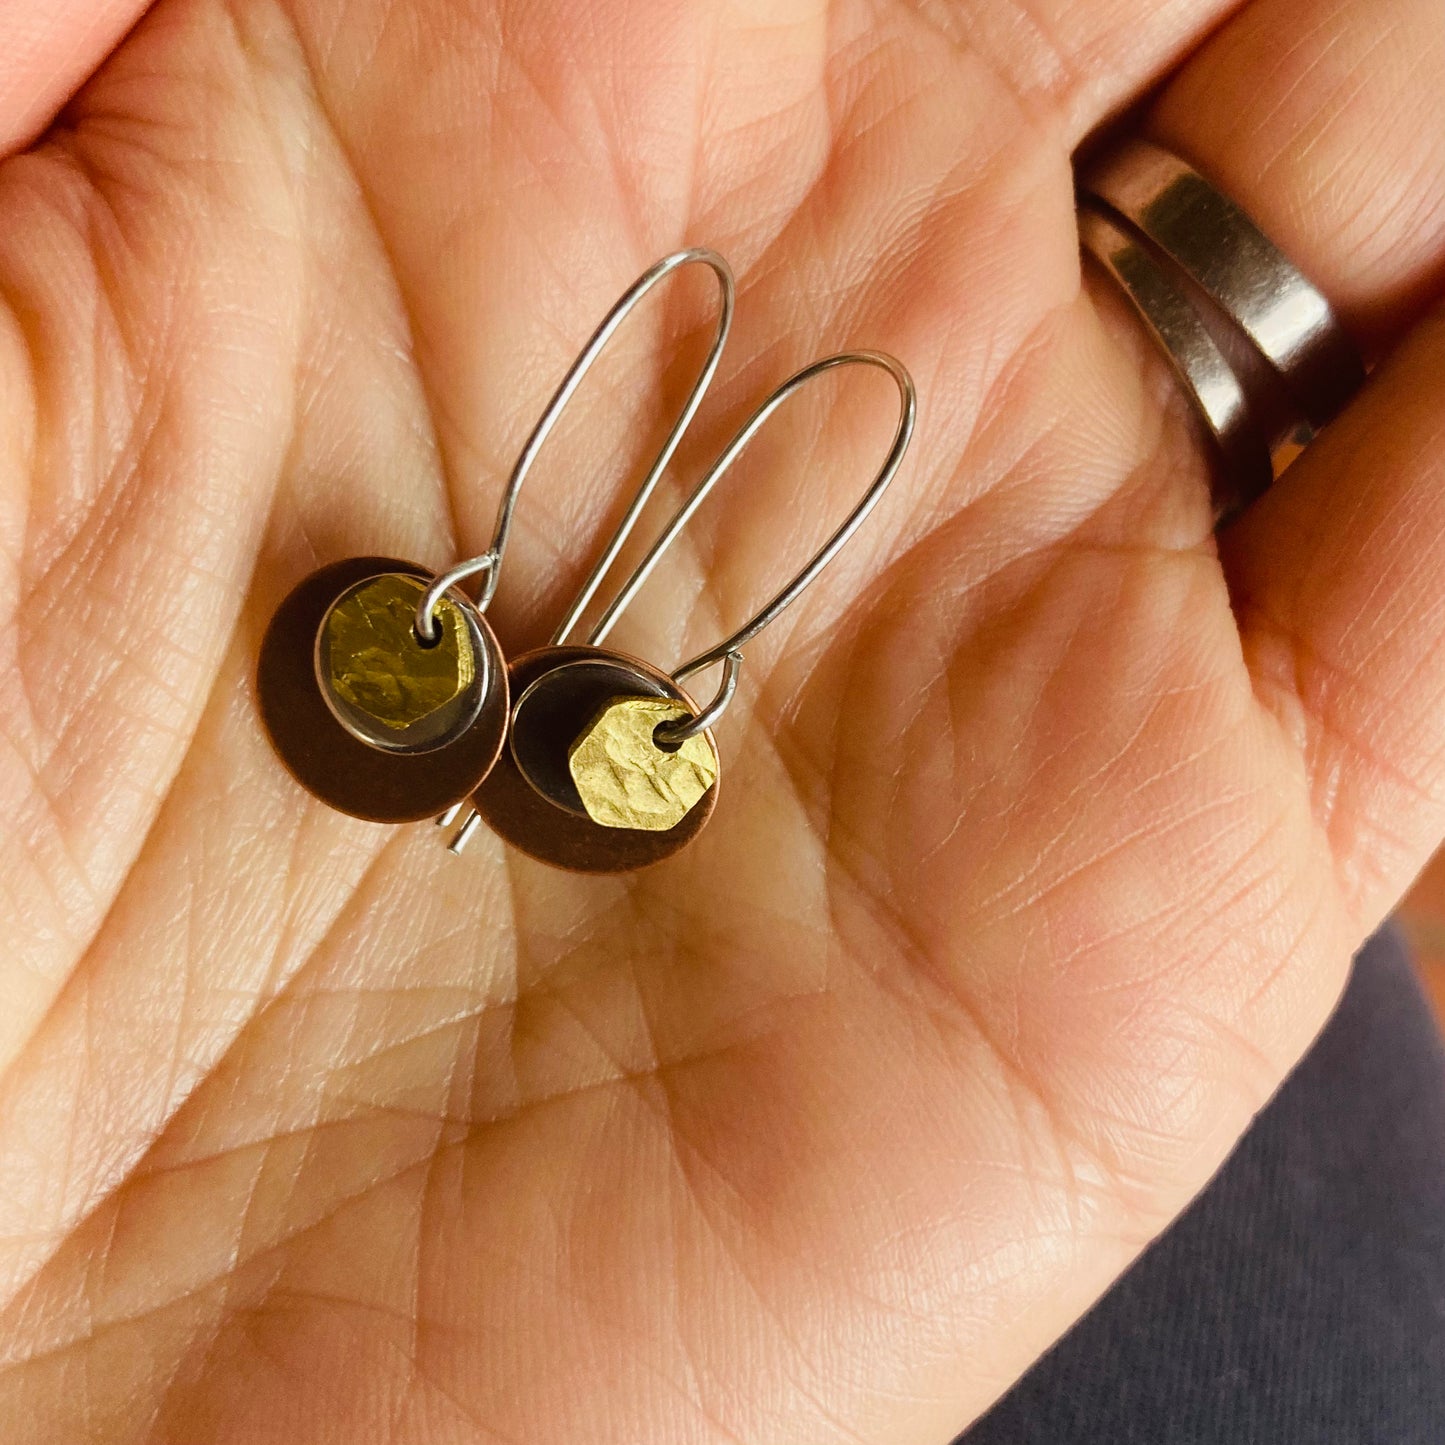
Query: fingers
point(48, 49)
point(1341, 599)
point(150, 336)
point(1080, 59)
point(1321, 120)
point(1321, 117)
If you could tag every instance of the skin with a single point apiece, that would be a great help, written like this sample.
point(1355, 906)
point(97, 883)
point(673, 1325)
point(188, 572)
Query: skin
point(1047, 827)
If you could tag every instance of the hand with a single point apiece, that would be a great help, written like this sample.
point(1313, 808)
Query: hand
point(1046, 830)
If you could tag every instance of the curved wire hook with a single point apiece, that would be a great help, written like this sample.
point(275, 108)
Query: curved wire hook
point(490, 561)
point(729, 650)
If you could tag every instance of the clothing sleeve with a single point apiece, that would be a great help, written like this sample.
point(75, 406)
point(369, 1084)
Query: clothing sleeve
point(1301, 1298)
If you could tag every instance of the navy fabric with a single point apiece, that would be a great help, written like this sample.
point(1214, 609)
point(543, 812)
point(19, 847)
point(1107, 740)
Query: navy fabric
point(1302, 1296)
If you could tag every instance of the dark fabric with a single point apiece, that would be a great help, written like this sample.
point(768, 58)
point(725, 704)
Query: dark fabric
point(1302, 1296)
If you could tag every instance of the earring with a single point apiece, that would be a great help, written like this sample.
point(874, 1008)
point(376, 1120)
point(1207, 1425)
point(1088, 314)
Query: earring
point(381, 683)
point(610, 764)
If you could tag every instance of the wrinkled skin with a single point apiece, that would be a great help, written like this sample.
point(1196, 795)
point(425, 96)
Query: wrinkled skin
point(1047, 827)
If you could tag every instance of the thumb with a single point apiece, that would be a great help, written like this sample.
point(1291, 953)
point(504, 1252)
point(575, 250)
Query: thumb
point(48, 49)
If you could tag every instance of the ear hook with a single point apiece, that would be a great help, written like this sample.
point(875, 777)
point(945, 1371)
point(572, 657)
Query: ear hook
point(729, 651)
point(490, 561)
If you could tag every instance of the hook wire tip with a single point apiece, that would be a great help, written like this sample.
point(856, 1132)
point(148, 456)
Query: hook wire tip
point(466, 832)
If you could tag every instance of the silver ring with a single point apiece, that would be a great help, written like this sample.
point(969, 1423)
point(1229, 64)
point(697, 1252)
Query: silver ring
point(1199, 363)
point(1223, 252)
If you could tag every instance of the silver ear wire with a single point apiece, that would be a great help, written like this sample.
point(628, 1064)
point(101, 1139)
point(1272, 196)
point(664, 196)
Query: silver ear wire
point(490, 561)
point(470, 821)
point(729, 650)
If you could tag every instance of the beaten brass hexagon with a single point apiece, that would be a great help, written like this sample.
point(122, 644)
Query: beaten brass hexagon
point(331, 757)
point(375, 663)
point(626, 780)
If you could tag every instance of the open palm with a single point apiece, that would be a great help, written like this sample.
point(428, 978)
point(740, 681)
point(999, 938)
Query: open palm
point(1046, 828)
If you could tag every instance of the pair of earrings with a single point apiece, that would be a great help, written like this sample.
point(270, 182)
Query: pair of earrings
point(386, 694)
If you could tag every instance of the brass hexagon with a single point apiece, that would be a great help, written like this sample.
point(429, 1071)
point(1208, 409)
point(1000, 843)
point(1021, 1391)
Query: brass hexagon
point(626, 780)
point(374, 662)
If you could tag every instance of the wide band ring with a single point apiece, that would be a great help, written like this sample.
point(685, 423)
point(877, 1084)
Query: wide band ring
point(1210, 285)
point(1187, 343)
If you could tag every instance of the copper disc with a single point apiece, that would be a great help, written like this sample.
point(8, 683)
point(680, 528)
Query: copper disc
point(561, 834)
point(329, 761)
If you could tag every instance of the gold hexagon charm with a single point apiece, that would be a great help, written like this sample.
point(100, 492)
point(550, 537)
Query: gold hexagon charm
point(626, 780)
point(381, 682)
